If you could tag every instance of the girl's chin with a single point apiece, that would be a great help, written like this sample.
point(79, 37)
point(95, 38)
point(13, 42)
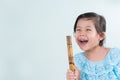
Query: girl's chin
point(84, 48)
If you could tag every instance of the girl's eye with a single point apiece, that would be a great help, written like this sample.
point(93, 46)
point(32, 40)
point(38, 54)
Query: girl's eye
point(88, 29)
point(78, 30)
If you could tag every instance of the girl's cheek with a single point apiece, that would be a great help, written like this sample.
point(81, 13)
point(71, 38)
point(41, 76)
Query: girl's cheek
point(77, 35)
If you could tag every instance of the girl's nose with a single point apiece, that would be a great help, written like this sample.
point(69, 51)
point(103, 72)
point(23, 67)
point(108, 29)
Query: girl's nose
point(82, 33)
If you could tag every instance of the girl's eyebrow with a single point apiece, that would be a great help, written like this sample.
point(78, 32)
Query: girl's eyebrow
point(81, 27)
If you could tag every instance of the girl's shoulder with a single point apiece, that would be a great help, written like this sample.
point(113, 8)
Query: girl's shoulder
point(114, 55)
point(79, 60)
point(115, 49)
point(79, 56)
point(114, 52)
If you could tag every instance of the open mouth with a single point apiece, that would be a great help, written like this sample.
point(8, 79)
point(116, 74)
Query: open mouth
point(83, 41)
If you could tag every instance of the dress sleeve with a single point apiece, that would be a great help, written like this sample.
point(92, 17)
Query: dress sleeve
point(116, 60)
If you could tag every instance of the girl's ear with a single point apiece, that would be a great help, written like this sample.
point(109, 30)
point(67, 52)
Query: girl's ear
point(102, 36)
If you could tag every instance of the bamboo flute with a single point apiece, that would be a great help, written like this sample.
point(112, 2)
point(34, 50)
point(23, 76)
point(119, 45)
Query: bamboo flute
point(70, 53)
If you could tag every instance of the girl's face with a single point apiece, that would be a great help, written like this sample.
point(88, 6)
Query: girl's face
point(86, 35)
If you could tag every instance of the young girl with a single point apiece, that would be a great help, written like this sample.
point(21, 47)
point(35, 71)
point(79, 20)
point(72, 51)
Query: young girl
point(96, 62)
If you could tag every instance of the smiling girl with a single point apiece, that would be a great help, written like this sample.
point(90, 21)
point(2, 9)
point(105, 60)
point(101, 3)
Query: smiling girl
point(96, 62)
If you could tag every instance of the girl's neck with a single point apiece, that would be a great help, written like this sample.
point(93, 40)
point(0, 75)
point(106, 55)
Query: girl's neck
point(96, 54)
point(94, 50)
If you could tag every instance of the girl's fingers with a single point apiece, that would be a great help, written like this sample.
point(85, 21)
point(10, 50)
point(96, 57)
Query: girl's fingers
point(77, 73)
point(71, 75)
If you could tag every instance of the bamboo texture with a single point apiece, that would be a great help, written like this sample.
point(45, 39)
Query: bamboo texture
point(70, 53)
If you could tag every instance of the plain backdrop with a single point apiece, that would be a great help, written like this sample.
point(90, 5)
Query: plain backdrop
point(33, 35)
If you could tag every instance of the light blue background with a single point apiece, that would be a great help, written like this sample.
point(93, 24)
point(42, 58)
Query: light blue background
point(33, 35)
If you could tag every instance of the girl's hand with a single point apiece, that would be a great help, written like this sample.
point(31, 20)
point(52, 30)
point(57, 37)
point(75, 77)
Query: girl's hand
point(73, 75)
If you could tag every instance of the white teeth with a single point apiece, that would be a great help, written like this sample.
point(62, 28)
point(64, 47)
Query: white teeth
point(83, 41)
